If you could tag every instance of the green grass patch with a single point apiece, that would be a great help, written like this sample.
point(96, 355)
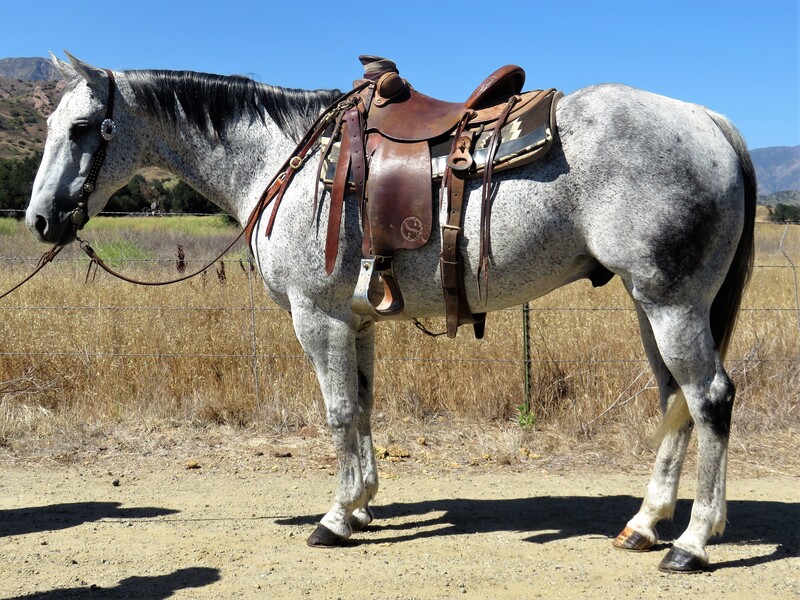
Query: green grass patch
point(9, 226)
point(118, 250)
point(187, 225)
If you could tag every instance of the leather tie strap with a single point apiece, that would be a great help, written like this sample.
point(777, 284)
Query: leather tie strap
point(337, 203)
point(277, 187)
point(486, 202)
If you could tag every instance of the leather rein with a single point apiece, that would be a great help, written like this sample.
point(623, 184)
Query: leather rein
point(273, 193)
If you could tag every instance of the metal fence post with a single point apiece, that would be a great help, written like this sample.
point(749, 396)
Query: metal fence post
point(256, 381)
point(526, 358)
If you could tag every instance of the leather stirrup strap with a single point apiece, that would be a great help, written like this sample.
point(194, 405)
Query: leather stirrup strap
point(450, 261)
point(455, 302)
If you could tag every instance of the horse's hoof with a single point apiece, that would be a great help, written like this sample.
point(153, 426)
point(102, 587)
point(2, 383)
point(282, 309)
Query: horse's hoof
point(681, 561)
point(630, 539)
point(325, 538)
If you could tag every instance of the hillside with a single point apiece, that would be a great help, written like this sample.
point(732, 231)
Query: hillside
point(789, 198)
point(777, 169)
point(24, 107)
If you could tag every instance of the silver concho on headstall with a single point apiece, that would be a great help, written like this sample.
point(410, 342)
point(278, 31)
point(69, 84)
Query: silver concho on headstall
point(108, 129)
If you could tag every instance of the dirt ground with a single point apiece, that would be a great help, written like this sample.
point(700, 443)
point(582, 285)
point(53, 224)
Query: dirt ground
point(229, 519)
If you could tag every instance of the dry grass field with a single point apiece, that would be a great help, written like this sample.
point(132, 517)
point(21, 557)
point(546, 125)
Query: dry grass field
point(81, 358)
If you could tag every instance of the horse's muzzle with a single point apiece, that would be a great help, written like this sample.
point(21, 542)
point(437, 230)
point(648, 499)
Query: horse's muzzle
point(52, 230)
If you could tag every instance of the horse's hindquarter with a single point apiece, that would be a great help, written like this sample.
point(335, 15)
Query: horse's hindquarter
point(658, 189)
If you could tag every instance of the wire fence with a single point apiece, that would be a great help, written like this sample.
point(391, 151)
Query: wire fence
point(253, 308)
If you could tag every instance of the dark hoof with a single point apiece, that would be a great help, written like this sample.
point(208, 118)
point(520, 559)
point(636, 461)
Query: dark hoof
point(681, 561)
point(325, 538)
point(630, 539)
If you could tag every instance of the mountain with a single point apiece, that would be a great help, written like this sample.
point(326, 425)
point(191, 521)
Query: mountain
point(789, 198)
point(24, 107)
point(28, 69)
point(777, 169)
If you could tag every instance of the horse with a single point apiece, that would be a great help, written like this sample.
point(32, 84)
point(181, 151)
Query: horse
point(658, 192)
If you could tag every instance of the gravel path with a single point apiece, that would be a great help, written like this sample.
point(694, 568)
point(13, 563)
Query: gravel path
point(233, 523)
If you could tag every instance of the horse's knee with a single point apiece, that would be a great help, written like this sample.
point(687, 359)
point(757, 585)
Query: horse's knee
point(342, 418)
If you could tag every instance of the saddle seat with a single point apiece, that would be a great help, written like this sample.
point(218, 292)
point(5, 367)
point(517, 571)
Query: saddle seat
point(393, 147)
point(403, 114)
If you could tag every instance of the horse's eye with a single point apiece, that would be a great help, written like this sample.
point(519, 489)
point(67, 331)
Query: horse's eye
point(80, 127)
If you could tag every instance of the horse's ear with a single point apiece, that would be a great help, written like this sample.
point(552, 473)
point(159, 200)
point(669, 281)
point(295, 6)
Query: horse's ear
point(66, 70)
point(91, 74)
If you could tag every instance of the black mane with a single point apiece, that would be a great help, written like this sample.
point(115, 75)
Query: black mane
point(210, 101)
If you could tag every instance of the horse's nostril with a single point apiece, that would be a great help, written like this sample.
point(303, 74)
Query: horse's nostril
point(41, 224)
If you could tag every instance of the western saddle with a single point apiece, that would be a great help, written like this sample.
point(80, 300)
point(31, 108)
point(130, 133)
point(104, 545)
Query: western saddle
point(391, 148)
point(391, 145)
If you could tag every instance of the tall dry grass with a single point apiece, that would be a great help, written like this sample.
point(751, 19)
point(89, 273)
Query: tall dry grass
point(77, 358)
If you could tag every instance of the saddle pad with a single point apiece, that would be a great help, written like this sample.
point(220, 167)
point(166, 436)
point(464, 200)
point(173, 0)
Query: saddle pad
point(523, 139)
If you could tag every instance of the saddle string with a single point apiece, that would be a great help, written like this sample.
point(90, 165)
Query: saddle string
point(482, 274)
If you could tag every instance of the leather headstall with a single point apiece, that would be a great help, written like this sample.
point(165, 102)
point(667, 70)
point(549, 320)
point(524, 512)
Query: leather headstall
point(80, 215)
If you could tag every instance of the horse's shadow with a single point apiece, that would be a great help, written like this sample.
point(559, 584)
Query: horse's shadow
point(21, 521)
point(549, 519)
point(36, 519)
point(157, 587)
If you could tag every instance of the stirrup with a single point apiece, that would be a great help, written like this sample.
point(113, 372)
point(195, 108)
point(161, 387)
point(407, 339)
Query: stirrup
point(377, 292)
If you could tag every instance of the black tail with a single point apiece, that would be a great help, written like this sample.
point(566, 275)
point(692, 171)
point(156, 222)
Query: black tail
point(725, 307)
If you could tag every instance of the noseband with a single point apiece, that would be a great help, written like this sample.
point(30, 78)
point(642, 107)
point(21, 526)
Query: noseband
point(80, 215)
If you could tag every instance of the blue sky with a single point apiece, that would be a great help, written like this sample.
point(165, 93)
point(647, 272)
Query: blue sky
point(738, 57)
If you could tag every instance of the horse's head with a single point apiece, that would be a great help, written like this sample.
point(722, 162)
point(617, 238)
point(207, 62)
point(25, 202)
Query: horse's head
point(89, 154)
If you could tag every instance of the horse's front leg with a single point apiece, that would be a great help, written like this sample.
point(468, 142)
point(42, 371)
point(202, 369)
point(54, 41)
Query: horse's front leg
point(329, 341)
point(365, 355)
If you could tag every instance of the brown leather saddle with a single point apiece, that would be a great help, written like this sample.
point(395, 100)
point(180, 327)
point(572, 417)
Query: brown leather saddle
point(397, 145)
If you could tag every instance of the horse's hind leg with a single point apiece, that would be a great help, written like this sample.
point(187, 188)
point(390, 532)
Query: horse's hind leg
point(662, 490)
point(687, 347)
point(365, 354)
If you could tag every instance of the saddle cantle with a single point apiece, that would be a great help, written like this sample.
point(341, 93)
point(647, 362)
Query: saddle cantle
point(397, 144)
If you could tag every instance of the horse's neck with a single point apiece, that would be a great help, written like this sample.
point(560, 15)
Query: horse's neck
point(231, 172)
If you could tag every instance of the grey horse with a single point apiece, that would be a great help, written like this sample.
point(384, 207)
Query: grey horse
point(656, 191)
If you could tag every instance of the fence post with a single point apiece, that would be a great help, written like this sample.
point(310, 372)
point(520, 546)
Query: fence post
point(526, 358)
point(253, 326)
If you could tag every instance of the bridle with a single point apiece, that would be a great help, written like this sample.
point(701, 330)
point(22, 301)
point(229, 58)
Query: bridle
point(80, 214)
